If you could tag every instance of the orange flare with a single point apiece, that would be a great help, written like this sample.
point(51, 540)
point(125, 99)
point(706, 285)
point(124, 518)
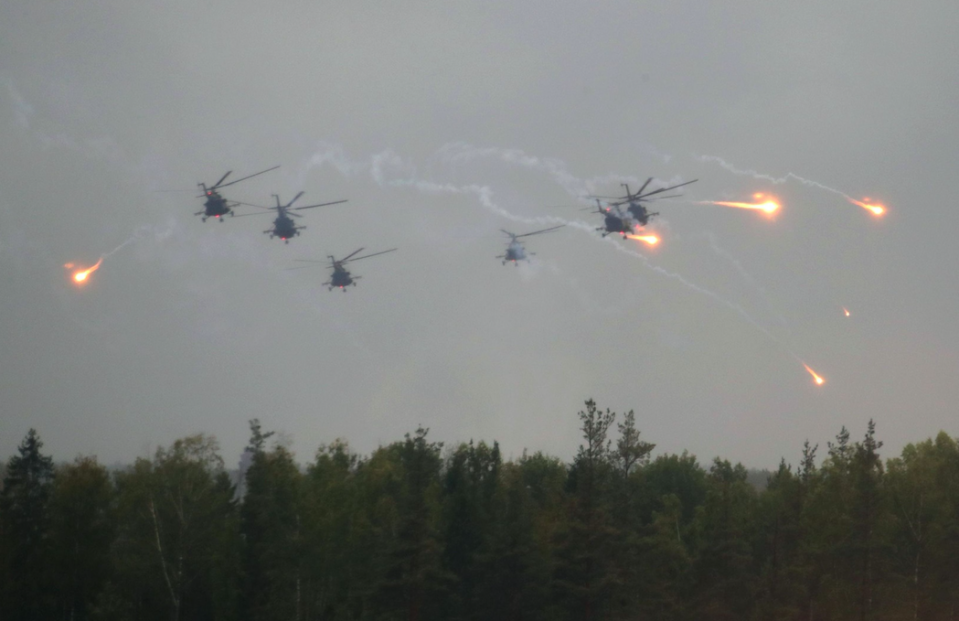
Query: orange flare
point(80, 276)
point(875, 208)
point(651, 240)
point(769, 206)
point(819, 381)
point(845, 310)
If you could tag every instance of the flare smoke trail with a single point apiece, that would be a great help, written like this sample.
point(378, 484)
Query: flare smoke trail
point(877, 210)
point(80, 276)
point(335, 156)
point(460, 151)
point(777, 180)
point(715, 247)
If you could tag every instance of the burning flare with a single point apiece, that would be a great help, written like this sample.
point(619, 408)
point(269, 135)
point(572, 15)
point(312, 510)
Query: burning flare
point(650, 240)
point(80, 276)
point(819, 381)
point(769, 205)
point(865, 203)
point(845, 310)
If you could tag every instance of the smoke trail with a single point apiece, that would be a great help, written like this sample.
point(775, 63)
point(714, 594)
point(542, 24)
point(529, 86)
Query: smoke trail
point(484, 194)
point(776, 180)
point(458, 152)
point(715, 247)
point(160, 234)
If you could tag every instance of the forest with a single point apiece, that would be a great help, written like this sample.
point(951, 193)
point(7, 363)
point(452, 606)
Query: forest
point(421, 531)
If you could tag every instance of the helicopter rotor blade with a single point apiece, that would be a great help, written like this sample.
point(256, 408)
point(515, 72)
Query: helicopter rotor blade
point(322, 204)
point(553, 228)
point(640, 190)
point(658, 198)
point(367, 256)
point(217, 184)
point(243, 178)
point(295, 198)
point(347, 257)
point(669, 188)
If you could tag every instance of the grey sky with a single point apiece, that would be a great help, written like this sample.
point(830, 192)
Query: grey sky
point(441, 126)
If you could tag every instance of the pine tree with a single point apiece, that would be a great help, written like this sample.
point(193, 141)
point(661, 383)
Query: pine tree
point(867, 512)
point(271, 525)
point(414, 580)
point(724, 582)
point(588, 574)
point(25, 531)
point(470, 484)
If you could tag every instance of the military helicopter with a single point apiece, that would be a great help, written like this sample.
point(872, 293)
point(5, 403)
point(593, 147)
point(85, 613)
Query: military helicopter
point(515, 251)
point(284, 227)
point(215, 205)
point(635, 201)
point(616, 221)
point(341, 276)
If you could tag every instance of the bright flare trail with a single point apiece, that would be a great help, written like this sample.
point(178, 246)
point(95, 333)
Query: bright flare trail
point(770, 206)
point(876, 209)
point(80, 276)
point(651, 240)
point(819, 381)
point(845, 310)
point(865, 203)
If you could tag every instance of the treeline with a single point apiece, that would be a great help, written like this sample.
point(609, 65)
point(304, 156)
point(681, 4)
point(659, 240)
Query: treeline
point(416, 532)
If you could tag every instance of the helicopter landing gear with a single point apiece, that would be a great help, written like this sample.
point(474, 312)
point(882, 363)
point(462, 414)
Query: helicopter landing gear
point(203, 219)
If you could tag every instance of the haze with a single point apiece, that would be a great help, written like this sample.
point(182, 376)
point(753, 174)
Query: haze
point(442, 125)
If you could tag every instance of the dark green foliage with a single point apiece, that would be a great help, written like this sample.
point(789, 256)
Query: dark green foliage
point(177, 533)
point(25, 533)
point(415, 581)
point(724, 566)
point(82, 529)
point(271, 525)
point(410, 533)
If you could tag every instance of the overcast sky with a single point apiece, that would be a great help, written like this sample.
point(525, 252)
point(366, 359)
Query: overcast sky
point(442, 124)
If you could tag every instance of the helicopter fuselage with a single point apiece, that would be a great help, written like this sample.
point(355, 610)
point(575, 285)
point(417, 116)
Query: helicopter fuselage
point(341, 278)
point(639, 211)
point(284, 227)
point(215, 206)
point(616, 224)
point(515, 252)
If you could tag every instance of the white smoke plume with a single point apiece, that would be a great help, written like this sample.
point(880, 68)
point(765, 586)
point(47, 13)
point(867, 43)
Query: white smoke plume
point(746, 276)
point(460, 152)
point(762, 176)
point(158, 233)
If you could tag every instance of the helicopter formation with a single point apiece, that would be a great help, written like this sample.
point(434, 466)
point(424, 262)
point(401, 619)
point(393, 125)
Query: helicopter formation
point(285, 227)
point(618, 222)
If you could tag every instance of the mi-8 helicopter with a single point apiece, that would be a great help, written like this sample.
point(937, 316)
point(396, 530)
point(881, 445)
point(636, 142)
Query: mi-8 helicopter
point(635, 201)
point(341, 277)
point(215, 205)
point(616, 221)
point(283, 226)
point(515, 251)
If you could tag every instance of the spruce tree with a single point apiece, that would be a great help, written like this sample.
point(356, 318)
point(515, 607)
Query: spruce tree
point(24, 532)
